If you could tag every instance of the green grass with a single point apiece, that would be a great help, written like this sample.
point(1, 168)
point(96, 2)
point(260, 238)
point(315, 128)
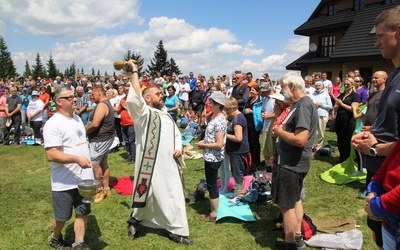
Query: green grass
point(26, 211)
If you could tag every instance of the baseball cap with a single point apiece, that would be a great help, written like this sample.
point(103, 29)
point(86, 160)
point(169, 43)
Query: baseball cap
point(218, 97)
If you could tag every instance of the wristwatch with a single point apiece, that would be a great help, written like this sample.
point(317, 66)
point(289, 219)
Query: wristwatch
point(372, 149)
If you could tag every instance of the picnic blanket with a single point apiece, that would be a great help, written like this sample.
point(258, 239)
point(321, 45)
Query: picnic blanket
point(227, 209)
point(343, 173)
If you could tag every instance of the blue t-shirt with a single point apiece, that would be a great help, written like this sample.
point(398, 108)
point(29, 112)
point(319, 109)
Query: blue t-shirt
point(170, 102)
point(25, 101)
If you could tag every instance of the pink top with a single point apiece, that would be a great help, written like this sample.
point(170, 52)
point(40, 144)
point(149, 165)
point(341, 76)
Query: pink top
point(335, 90)
point(2, 105)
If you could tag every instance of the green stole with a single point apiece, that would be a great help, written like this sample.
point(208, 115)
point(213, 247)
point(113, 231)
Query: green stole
point(148, 160)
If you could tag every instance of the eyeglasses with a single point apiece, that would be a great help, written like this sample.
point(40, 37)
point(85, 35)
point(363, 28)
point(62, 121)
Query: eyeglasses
point(347, 84)
point(69, 98)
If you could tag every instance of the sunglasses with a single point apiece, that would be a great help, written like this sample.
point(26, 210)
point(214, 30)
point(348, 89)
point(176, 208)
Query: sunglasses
point(69, 98)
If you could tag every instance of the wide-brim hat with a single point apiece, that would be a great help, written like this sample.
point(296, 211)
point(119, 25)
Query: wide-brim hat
point(35, 93)
point(218, 97)
point(277, 96)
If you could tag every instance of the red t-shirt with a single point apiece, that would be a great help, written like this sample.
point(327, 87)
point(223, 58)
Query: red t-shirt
point(125, 117)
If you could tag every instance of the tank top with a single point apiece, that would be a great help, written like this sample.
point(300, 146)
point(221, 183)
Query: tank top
point(106, 129)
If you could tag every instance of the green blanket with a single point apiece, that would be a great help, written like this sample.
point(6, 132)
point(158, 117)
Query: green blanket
point(343, 173)
point(227, 209)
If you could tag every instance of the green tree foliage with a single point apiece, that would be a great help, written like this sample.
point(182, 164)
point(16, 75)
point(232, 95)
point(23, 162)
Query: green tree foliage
point(38, 69)
point(98, 72)
point(173, 68)
point(72, 70)
point(52, 70)
point(66, 72)
point(82, 72)
point(93, 71)
point(136, 56)
point(7, 68)
point(27, 71)
point(160, 61)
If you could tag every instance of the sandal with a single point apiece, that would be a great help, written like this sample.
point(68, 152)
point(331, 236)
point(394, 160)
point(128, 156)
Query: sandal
point(208, 218)
point(181, 239)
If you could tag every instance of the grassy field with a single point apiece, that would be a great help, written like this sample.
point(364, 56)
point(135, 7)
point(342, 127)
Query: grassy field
point(26, 211)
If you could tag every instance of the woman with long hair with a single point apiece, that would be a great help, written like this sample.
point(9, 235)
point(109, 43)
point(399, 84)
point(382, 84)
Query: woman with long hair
point(252, 112)
point(345, 122)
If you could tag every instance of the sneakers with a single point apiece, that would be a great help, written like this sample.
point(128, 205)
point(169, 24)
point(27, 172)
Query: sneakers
point(208, 218)
point(57, 243)
point(181, 239)
point(299, 242)
point(80, 246)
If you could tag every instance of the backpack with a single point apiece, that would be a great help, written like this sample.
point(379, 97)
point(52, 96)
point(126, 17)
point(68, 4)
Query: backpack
point(191, 128)
point(308, 229)
point(262, 181)
point(184, 122)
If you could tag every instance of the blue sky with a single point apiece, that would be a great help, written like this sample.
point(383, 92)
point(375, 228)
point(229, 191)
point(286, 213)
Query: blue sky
point(211, 37)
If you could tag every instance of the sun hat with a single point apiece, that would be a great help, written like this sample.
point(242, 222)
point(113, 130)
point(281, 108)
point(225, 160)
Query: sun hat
point(218, 97)
point(277, 96)
point(34, 93)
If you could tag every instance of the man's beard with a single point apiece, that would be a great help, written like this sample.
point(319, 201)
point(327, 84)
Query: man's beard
point(158, 105)
point(288, 95)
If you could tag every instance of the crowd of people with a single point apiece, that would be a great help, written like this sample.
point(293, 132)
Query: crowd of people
point(279, 124)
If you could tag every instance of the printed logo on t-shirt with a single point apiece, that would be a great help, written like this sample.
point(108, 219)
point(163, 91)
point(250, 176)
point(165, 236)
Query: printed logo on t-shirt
point(80, 136)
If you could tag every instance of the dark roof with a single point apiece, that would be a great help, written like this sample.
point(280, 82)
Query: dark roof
point(357, 42)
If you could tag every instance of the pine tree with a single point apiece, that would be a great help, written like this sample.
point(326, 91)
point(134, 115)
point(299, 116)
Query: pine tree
point(173, 68)
point(66, 72)
point(82, 72)
point(105, 73)
point(27, 71)
point(92, 71)
point(160, 61)
point(72, 69)
point(136, 56)
point(7, 68)
point(52, 68)
point(98, 73)
point(38, 69)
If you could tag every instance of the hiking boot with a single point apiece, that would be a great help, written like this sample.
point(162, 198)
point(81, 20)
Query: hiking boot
point(208, 218)
point(181, 239)
point(80, 246)
point(57, 243)
point(99, 197)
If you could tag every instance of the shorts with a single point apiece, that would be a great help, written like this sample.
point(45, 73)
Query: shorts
point(183, 104)
point(99, 150)
point(289, 185)
point(64, 201)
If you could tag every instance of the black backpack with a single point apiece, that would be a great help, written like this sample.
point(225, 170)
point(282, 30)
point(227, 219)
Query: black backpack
point(262, 182)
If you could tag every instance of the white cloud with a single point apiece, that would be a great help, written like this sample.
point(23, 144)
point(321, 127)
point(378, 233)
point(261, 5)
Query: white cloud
point(210, 51)
point(228, 48)
point(69, 19)
point(249, 50)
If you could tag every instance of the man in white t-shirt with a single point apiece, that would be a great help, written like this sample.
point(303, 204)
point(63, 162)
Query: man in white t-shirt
point(327, 83)
point(67, 150)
